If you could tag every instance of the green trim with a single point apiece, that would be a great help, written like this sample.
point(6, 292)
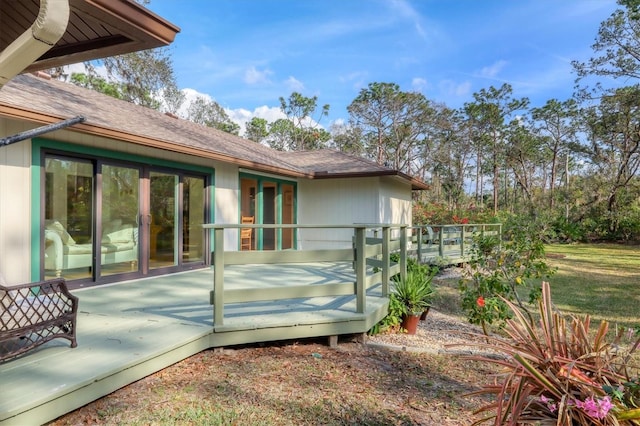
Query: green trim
point(36, 213)
point(266, 178)
point(40, 144)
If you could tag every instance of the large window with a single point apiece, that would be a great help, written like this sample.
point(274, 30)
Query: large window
point(104, 219)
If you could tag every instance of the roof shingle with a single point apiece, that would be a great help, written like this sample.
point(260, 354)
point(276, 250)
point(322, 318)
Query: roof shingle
point(64, 100)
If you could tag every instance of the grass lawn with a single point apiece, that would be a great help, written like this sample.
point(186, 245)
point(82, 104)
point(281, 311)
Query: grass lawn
point(602, 280)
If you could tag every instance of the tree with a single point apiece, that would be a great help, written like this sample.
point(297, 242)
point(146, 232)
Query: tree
point(257, 130)
point(618, 46)
point(523, 156)
point(556, 123)
point(489, 114)
point(305, 132)
point(393, 124)
point(211, 114)
point(143, 75)
point(613, 128)
point(280, 134)
point(449, 156)
point(347, 138)
point(97, 83)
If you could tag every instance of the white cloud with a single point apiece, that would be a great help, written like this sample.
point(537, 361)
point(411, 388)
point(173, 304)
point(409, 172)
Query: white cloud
point(406, 10)
point(294, 85)
point(493, 70)
point(452, 88)
point(419, 84)
point(255, 76)
point(243, 116)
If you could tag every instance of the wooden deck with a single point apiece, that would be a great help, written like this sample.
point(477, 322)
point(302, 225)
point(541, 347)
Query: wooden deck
point(129, 330)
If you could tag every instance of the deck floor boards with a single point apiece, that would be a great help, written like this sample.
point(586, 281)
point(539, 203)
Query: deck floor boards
point(129, 330)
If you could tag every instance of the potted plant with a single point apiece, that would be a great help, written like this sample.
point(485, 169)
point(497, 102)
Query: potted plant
point(414, 293)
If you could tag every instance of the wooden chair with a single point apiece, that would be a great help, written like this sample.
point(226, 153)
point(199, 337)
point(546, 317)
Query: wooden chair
point(246, 234)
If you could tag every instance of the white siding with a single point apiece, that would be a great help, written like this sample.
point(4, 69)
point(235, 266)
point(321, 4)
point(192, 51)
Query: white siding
point(335, 202)
point(395, 202)
point(15, 206)
point(226, 197)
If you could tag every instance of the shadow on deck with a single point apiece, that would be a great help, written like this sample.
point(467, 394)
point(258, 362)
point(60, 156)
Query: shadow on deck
point(129, 330)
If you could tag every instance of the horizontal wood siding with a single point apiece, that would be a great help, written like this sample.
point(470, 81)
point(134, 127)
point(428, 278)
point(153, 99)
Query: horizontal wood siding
point(395, 204)
point(227, 201)
point(335, 201)
point(15, 206)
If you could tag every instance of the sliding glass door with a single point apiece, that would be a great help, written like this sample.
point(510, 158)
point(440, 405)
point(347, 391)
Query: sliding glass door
point(119, 210)
point(164, 219)
point(105, 220)
point(69, 218)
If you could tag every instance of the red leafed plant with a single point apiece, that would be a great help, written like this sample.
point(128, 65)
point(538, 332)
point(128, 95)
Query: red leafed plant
point(559, 373)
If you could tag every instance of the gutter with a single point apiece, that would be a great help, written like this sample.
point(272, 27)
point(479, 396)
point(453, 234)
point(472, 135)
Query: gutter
point(29, 134)
point(48, 28)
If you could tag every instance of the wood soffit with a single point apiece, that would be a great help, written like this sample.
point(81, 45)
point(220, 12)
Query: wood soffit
point(96, 29)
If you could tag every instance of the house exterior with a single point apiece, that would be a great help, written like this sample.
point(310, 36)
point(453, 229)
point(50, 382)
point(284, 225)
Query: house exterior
point(116, 191)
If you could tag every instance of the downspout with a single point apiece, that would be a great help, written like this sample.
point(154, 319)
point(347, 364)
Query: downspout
point(48, 28)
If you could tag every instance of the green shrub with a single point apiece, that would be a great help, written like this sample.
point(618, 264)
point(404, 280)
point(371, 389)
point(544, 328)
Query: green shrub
point(418, 281)
point(391, 322)
point(500, 270)
point(415, 291)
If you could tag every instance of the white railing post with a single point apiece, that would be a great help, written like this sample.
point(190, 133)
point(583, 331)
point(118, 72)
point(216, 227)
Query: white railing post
point(403, 251)
point(361, 268)
point(386, 260)
point(419, 248)
point(217, 295)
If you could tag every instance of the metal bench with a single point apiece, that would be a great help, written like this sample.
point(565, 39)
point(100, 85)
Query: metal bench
point(34, 313)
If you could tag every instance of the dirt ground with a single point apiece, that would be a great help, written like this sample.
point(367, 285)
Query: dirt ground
point(299, 383)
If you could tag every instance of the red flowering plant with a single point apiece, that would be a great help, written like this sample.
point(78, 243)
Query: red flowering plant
point(554, 371)
point(498, 271)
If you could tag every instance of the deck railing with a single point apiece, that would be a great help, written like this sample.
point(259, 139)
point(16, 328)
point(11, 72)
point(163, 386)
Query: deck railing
point(370, 256)
point(448, 244)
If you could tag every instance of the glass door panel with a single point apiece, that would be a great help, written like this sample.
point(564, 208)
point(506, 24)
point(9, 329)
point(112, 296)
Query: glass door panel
point(68, 217)
point(119, 242)
point(248, 191)
point(163, 228)
point(287, 216)
point(193, 208)
point(269, 215)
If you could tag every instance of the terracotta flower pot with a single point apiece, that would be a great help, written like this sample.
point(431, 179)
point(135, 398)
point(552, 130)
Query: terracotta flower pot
point(410, 323)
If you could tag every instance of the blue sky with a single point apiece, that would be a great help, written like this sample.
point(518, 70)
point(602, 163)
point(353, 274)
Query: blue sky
point(245, 54)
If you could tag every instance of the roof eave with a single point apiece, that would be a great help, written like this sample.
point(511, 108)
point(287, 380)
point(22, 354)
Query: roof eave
point(13, 112)
point(416, 184)
point(141, 28)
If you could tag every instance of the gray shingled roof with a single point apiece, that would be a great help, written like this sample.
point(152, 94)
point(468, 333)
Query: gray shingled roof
point(328, 161)
point(65, 100)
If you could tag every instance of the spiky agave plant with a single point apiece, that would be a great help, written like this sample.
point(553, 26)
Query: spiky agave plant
point(557, 373)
